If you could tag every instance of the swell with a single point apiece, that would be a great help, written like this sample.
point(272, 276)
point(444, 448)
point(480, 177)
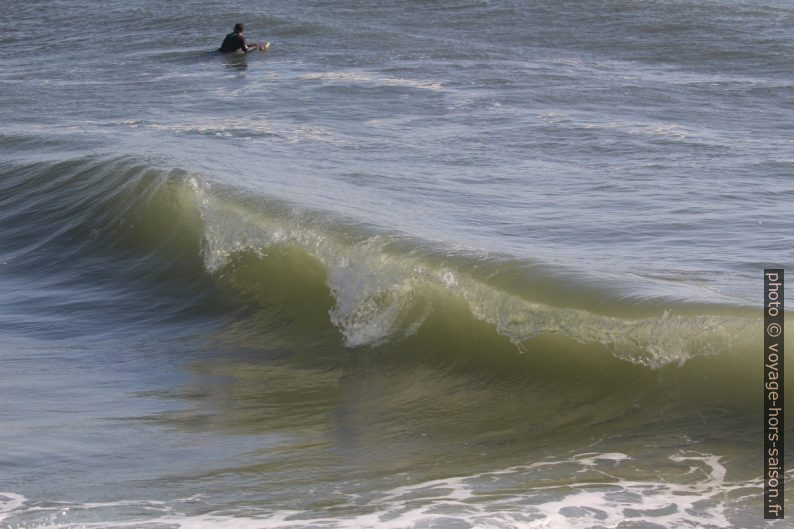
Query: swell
point(308, 275)
point(89, 241)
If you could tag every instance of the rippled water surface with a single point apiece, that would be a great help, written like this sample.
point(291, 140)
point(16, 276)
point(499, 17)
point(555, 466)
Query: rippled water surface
point(430, 264)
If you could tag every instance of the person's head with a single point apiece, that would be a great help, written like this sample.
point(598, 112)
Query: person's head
point(238, 28)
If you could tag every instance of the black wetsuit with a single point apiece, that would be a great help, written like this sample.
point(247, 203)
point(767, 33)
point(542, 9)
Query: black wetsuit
point(233, 42)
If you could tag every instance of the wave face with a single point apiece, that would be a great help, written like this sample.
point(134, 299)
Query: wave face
point(371, 287)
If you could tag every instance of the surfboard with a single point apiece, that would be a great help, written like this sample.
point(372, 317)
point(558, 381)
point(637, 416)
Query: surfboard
point(264, 46)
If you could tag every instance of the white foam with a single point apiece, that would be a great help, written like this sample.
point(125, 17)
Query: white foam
point(10, 502)
point(523, 497)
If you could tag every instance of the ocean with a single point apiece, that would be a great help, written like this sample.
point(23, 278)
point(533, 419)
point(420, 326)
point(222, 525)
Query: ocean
point(441, 264)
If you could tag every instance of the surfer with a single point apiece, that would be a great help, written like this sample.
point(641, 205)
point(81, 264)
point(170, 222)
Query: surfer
point(235, 41)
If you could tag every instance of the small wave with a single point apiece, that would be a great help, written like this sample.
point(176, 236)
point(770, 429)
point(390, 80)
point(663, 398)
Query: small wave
point(360, 77)
point(246, 128)
point(253, 127)
point(671, 130)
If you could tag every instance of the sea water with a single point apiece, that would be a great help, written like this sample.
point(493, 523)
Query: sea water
point(440, 264)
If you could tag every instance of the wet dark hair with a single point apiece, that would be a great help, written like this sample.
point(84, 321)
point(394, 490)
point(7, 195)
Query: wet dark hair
point(238, 27)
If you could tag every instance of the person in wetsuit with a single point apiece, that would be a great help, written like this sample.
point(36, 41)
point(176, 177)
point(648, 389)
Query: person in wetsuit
point(235, 41)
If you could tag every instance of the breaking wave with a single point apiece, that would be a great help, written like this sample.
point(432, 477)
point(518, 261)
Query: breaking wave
point(371, 285)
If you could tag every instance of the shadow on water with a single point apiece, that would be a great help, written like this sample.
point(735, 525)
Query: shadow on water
point(235, 61)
